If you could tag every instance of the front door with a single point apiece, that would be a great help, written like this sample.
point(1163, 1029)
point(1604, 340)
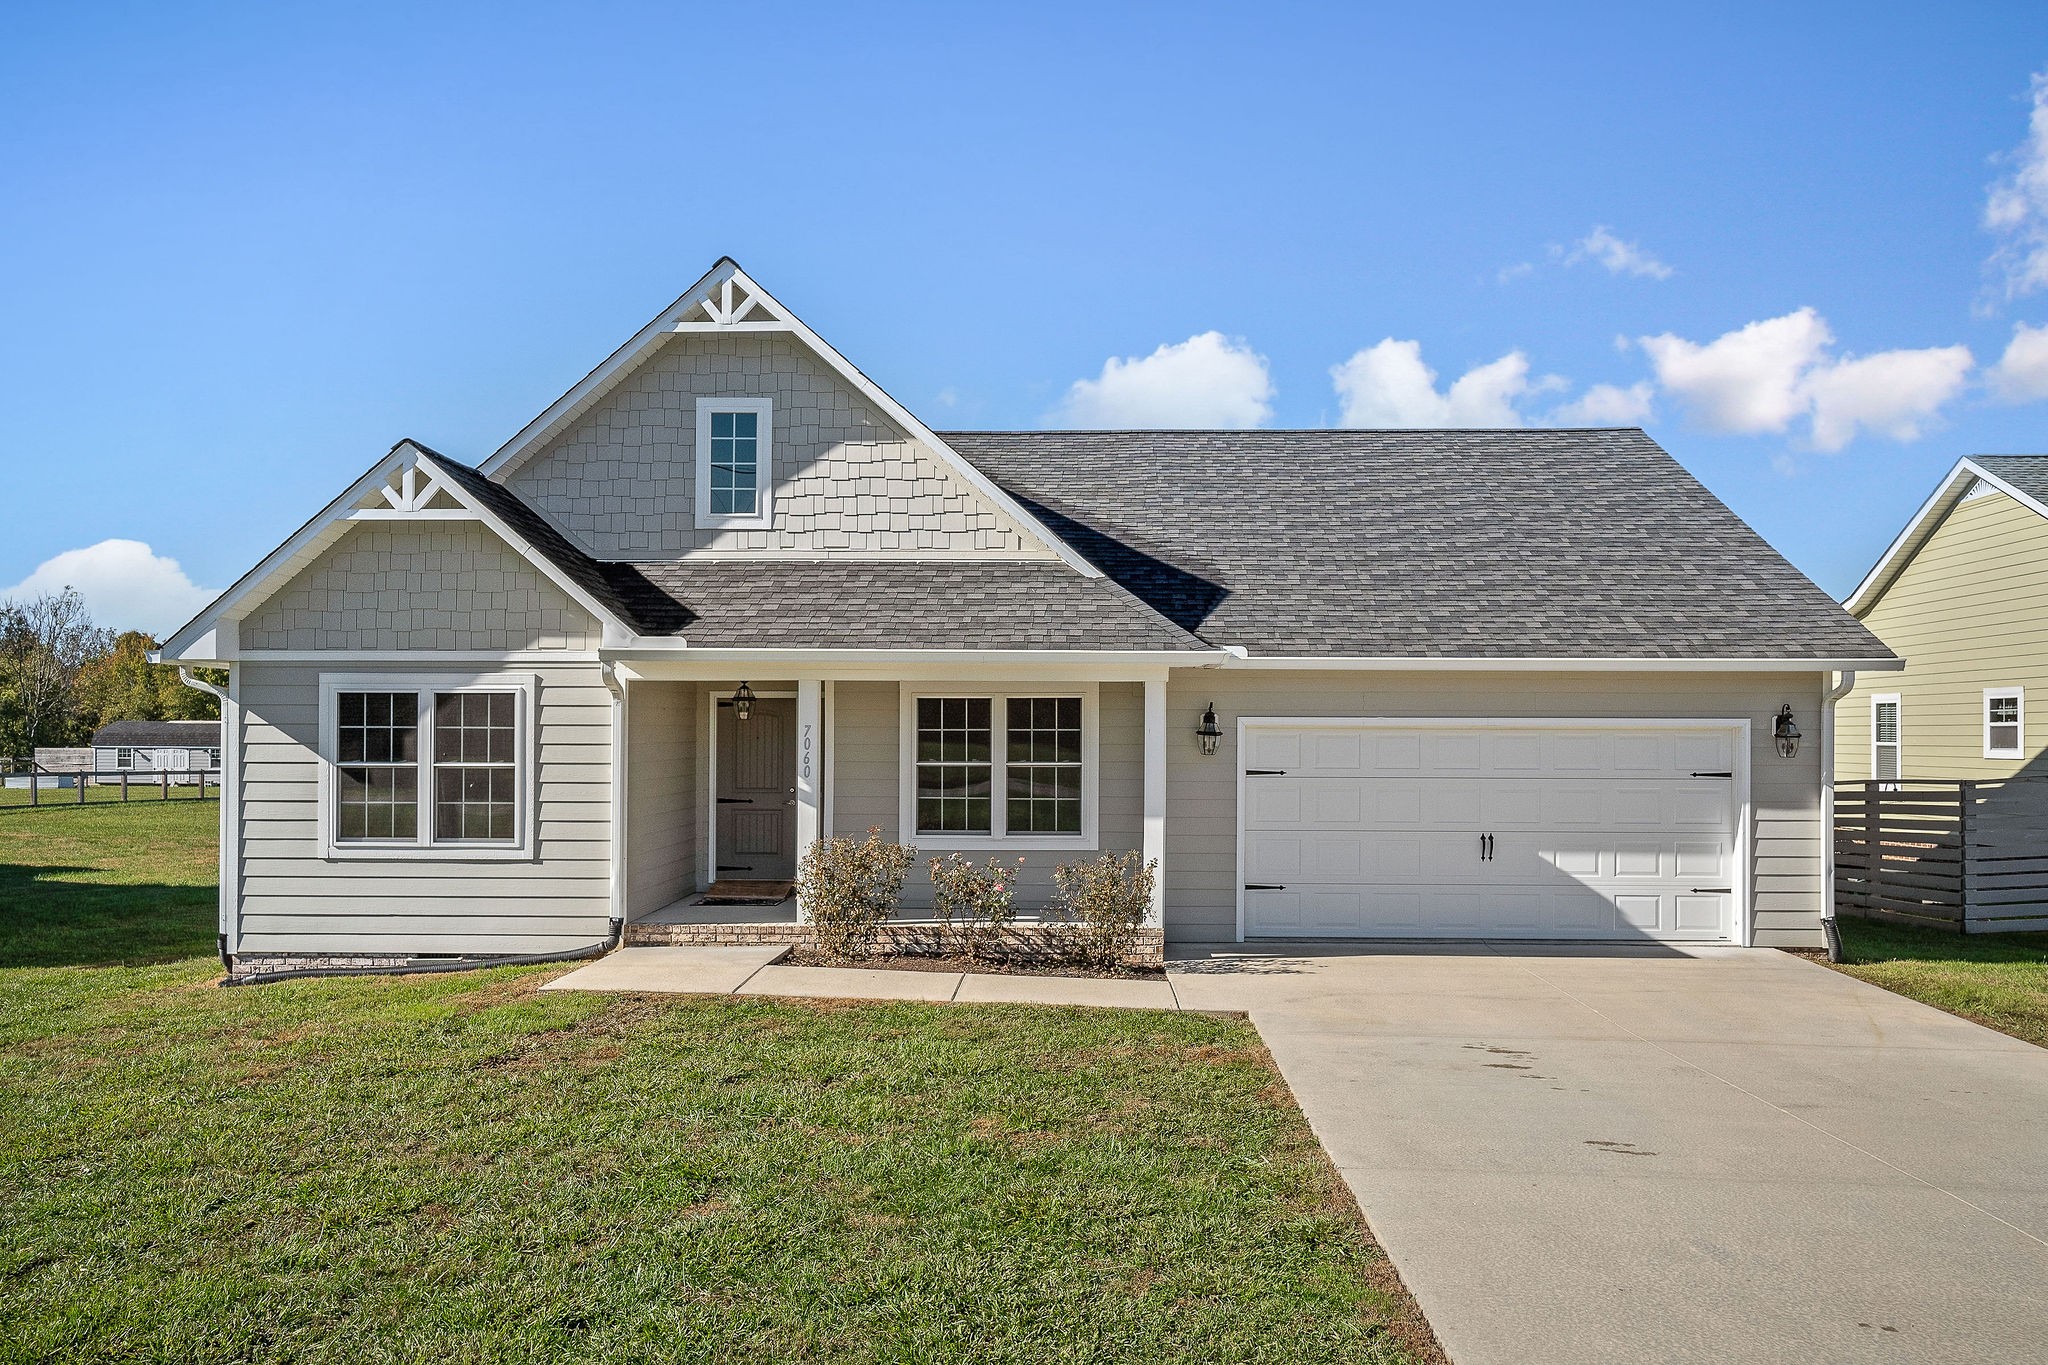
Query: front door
point(757, 792)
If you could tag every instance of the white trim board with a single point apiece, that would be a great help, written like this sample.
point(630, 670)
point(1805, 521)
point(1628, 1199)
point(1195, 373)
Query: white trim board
point(1742, 912)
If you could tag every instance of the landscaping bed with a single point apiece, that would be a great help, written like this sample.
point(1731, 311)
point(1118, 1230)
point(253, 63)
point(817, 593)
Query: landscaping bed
point(958, 962)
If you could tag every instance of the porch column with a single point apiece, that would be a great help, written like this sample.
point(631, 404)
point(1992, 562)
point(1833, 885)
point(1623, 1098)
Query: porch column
point(810, 731)
point(1154, 850)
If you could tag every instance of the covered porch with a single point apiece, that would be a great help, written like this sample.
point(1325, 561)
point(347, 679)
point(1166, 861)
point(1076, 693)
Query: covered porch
point(732, 772)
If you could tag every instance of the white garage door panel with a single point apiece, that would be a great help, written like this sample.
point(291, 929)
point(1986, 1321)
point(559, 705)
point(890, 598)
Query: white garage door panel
point(1376, 831)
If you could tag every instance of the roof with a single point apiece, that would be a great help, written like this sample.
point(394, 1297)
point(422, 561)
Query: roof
point(149, 734)
point(1510, 544)
point(2022, 477)
point(869, 604)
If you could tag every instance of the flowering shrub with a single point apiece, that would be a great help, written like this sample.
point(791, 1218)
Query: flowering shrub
point(848, 888)
point(1101, 907)
point(972, 903)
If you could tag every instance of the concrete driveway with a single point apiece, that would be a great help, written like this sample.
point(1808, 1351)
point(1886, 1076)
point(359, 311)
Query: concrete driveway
point(1721, 1155)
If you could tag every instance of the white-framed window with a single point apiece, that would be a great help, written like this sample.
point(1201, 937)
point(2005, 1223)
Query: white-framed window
point(735, 461)
point(984, 768)
point(2004, 721)
point(124, 758)
point(1885, 763)
point(427, 766)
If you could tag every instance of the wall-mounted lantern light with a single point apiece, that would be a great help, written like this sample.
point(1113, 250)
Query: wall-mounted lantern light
point(1786, 732)
point(743, 702)
point(1209, 733)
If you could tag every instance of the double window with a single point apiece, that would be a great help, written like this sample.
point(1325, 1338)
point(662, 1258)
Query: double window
point(735, 461)
point(424, 766)
point(2004, 722)
point(995, 766)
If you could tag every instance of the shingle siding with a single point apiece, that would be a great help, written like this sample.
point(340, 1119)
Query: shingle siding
point(621, 481)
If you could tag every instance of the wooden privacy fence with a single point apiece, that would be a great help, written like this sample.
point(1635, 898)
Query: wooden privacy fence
point(1967, 856)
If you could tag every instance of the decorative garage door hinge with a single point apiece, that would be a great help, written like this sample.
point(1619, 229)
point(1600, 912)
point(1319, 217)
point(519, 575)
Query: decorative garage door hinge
point(1265, 772)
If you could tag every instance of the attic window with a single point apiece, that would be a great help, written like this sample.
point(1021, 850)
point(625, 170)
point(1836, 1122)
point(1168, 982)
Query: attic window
point(735, 448)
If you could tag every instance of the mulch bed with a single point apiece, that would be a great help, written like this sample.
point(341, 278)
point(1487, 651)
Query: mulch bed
point(929, 962)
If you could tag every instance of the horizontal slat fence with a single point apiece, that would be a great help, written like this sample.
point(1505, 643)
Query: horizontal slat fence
point(1966, 856)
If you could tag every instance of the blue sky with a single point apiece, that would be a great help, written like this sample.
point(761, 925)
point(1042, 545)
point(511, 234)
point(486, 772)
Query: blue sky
point(243, 249)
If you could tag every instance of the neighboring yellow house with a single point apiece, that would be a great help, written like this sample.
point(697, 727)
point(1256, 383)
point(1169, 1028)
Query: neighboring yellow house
point(1962, 594)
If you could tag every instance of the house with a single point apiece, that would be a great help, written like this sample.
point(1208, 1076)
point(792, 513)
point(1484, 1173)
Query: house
point(149, 748)
point(725, 596)
point(1963, 594)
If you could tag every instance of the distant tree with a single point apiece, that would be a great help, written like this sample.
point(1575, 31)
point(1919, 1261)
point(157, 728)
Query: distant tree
point(44, 644)
point(122, 684)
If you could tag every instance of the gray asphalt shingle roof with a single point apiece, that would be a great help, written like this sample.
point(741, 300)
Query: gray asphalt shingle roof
point(148, 734)
point(2028, 473)
point(1430, 544)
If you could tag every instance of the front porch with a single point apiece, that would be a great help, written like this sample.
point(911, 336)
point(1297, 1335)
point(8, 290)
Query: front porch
point(1047, 770)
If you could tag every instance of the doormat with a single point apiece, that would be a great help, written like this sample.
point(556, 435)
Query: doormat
point(748, 893)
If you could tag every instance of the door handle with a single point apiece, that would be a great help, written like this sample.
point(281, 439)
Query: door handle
point(1486, 848)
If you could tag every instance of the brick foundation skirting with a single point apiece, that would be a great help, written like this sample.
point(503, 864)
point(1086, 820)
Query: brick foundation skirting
point(256, 964)
point(1023, 943)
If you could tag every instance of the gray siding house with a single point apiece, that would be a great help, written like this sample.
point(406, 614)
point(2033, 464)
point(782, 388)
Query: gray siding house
point(726, 596)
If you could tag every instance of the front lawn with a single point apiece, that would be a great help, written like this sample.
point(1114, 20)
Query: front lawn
point(1999, 980)
point(460, 1168)
point(108, 883)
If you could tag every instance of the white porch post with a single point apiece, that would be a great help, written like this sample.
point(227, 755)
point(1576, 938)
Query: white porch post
point(1155, 795)
point(810, 732)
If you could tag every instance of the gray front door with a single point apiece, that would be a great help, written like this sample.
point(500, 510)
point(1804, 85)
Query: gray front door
point(757, 792)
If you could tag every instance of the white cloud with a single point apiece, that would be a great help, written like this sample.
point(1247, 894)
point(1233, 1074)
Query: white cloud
point(1620, 258)
point(1892, 393)
point(1388, 385)
point(125, 584)
point(1514, 272)
point(2016, 209)
point(2021, 374)
point(1607, 405)
point(1769, 374)
point(1747, 380)
point(1208, 380)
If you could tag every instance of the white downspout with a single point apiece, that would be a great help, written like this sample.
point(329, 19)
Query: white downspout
point(617, 687)
point(1830, 931)
point(230, 921)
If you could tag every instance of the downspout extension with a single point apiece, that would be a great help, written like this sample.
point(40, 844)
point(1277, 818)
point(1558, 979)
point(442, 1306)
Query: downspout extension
point(227, 718)
point(1831, 932)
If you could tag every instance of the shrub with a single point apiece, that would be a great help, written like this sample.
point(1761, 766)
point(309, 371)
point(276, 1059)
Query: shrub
point(1100, 908)
point(972, 903)
point(848, 888)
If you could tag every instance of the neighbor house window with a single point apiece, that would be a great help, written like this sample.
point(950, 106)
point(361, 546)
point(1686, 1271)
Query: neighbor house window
point(2004, 709)
point(1884, 738)
point(735, 450)
point(1001, 767)
point(427, 766)
point(124, 758)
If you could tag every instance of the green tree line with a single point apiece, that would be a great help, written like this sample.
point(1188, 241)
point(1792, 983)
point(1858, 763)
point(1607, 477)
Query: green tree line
point(63, 677)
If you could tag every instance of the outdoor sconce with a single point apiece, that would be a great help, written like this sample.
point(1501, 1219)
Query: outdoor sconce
point(1209, 733)
point(743, 702)
point(1786, 732)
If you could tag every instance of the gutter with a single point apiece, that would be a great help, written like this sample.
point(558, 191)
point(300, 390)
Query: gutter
point(230, 868)
point(1830, 930)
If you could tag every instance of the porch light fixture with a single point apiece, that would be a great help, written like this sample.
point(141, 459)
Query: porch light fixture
point(1785, 732)
point(743, 702)
point(1209, 733)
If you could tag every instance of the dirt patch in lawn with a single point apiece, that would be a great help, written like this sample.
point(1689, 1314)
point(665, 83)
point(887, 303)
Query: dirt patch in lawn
point(933, 962)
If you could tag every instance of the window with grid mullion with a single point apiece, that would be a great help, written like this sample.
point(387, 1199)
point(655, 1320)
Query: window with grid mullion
point(955, 766)
point(377, 769)
point(476, 779)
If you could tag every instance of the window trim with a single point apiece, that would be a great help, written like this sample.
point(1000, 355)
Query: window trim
point(423, 846)
point(763, 515)
point(1898, 743)
point(906, 781)
point(2019, 722)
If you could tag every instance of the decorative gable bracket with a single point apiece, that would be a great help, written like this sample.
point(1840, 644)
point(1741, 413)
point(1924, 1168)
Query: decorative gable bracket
point(409, 492)
point(732, 304)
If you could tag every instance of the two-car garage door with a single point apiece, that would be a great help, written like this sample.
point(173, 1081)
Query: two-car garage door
point(1378, 829)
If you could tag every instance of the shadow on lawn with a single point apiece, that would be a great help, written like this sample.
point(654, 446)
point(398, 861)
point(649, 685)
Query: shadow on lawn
point(49, 921)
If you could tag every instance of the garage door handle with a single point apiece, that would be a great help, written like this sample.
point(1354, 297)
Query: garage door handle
point(1263, 886)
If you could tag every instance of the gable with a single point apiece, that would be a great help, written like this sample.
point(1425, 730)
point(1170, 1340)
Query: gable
point(620, 480)
point(1982, 571)
point(431, 585)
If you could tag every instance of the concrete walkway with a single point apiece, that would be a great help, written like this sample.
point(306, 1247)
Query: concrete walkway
point(758, 971)
point(1644, 1155)
point(1632, 1154)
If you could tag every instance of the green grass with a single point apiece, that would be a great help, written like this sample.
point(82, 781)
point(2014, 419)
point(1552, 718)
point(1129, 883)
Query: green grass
point(459, 1168)
point(1999, 980)
point(101, 884)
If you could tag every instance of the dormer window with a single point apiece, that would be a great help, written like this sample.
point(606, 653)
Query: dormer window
point(735, 438)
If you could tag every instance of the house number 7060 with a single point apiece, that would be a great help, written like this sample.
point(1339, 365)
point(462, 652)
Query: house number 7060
point(804, 768)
